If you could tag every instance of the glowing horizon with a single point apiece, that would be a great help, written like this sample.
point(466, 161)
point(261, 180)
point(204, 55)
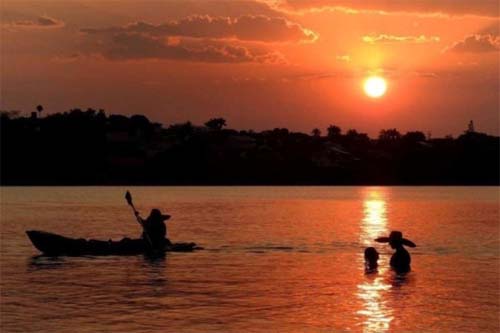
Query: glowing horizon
point(258, 64)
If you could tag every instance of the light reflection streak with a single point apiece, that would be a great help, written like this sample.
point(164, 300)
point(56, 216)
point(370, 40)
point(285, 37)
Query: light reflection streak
point(374, 223)
point(377, 315)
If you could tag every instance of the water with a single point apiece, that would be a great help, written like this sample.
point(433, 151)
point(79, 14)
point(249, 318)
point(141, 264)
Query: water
point(276, 259)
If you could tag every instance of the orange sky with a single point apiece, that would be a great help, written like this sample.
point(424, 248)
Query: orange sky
point(260, 64)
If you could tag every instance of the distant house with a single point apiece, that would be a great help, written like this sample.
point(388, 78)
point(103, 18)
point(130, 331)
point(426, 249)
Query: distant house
point(337, 149)
point(332, 155)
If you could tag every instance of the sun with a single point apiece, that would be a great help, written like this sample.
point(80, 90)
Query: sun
point(375, 86)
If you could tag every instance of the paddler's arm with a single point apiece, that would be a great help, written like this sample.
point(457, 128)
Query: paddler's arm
point(139, 218)
point(145, 229)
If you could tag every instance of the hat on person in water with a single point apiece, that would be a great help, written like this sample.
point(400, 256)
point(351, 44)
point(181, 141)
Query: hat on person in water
point(156, 214)
point(396, 237)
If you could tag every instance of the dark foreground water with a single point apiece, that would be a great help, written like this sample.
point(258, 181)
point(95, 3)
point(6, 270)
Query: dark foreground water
point(276, 259)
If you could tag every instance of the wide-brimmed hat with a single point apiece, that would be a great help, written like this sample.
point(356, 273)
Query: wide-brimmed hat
point(156, 214)
point(396, 237)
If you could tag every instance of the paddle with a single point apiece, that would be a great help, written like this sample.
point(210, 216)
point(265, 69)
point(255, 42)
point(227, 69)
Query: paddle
point(128, 197)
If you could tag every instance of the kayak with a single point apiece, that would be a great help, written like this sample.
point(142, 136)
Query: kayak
point(57, 245)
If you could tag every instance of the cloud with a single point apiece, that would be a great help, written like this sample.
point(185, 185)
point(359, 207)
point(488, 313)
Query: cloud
point(258, 28)
point(134, 46)
point(476, 44)
point(424, 74)
point(388, 72)
point(491, 29)
point(343, 58)
point(199, 38)
point(383, 38)
point(487, 8)
point(41, 22)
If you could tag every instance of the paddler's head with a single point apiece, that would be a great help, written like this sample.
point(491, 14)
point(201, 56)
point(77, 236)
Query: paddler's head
point(157, 215)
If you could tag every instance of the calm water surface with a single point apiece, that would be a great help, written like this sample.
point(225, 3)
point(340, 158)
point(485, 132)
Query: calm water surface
point(276, 259)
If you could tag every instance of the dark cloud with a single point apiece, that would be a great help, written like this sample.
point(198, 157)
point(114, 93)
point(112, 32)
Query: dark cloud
point(491, 29)
point(39, 22)
point(448, 7)
point(258, 28)
point(476, 44)
point(134, 46)
point(199, 38)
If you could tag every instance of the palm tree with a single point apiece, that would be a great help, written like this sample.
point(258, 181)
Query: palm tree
point(39, 108)
point(354, 136)
point(316, 132)
point(333, 131)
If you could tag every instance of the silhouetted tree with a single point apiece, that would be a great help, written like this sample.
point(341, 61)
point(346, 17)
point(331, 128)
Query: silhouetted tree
point(389, 135)
point(118, 122)
point(216, 123)
point(333, 131)
point(415, 136)
point(140, 126)
point(4, 114)
point(351, 133)
point(316, 132)
point(39, 108)
point(87, 147)
point(280, 132)
point(354, 137)
point(101, 115)
point(182, 131)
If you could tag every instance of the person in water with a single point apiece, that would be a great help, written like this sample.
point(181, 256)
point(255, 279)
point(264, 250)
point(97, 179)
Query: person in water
point(155, 229)
point(371, 260)
point(401, 259)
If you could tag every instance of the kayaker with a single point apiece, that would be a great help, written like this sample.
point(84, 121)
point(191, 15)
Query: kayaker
point(401, 259)
point(156, 228)
point(371, 260)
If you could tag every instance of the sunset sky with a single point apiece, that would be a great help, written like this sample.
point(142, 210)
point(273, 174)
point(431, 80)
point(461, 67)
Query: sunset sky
point(260, 64)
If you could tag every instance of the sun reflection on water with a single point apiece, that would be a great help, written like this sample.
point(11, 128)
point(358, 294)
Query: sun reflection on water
point(377, 315)
point(374, 223)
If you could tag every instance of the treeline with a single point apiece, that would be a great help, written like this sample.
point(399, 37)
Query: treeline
point(91, 148)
